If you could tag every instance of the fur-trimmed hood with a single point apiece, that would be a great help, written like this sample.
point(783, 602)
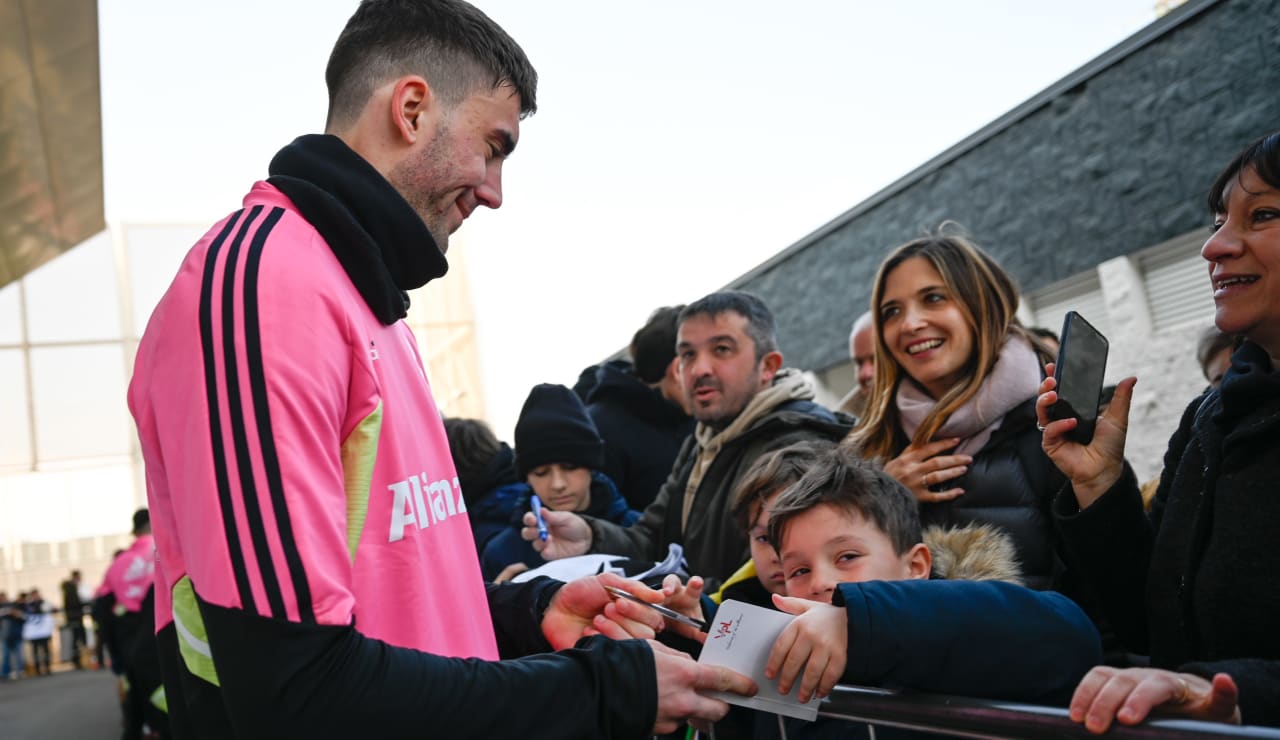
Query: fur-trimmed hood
point(973, 553)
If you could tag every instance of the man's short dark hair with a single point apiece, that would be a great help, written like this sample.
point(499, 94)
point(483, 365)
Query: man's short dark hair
point(141, 521)
point(772, 472)
point(759, 318)
point(456, 48)
point(844, 480)
point(654, 347)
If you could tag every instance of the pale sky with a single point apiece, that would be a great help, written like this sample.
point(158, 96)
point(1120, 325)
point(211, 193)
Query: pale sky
point(677, 144)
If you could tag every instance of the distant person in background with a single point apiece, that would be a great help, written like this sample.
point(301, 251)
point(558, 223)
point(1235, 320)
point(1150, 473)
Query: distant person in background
point(487, 474)
point(862, 350)
point(12, 615)
point(130, 581)
point(558, 455)
point(38, 630)
point(1048, 337)
point(638, 410)
point(1213, 352)
point(73, 611)
point(102, 611)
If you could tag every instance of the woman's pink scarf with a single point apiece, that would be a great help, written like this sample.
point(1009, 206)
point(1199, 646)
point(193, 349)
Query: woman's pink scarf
point(1014, 379)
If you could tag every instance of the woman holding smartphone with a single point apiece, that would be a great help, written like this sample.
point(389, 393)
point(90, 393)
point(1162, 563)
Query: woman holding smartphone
point(952, 407)
point(1194, 585)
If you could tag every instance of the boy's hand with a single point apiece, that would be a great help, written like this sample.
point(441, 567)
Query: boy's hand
point(817, 640)
point(685, 598)
point(567, 534)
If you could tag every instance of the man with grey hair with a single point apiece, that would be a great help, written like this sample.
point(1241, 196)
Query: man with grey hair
point(862, 350)
point(315, 573)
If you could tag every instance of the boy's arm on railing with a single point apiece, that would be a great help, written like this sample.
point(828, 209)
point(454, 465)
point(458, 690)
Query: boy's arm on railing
point(974, 638)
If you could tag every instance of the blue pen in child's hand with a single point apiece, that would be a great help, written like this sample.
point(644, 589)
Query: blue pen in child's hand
point(537, 514)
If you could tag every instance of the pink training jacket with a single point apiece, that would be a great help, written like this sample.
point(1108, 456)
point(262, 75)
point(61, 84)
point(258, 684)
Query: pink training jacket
point(130, 575)
point(297, 466)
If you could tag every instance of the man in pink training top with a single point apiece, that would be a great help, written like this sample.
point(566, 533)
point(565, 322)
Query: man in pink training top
point(127, 585)
point(315, 573)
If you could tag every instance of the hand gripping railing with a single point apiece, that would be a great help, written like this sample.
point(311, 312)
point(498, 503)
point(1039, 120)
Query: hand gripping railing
point(964, 717)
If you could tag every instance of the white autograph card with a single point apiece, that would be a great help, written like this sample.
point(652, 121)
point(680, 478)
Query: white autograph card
point(740, 638)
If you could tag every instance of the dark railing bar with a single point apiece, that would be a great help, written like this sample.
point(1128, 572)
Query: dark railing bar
point(976, 718)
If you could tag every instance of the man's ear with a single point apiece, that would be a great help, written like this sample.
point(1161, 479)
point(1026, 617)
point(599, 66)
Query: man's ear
point(919, 561)
point(769, 366)
point(414, 109)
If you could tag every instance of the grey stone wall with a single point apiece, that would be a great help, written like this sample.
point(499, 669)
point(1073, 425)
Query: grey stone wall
point(1118, 162)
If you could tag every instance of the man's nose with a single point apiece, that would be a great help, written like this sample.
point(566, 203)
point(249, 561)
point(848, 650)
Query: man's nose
point(489, 194)
point(699, 367)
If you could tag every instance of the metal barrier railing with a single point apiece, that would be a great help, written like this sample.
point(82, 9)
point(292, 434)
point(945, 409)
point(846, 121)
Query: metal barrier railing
point(964, 717)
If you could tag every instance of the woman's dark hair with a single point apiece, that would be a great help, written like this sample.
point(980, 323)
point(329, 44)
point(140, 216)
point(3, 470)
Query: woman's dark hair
point(1262, 157)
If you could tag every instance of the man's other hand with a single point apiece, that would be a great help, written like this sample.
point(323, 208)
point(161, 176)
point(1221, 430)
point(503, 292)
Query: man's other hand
point(680, 683)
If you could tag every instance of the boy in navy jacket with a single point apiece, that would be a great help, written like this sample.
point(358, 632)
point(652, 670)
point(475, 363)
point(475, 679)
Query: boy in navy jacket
point(881, 603)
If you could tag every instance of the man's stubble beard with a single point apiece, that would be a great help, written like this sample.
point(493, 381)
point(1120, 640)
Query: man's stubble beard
point(417, 181)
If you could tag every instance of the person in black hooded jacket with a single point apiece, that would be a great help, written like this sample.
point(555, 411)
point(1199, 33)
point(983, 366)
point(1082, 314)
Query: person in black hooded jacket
point(637, 409)
point(1194, 583)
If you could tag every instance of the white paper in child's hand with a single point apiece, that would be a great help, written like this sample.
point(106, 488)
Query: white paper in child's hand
point(740, 638)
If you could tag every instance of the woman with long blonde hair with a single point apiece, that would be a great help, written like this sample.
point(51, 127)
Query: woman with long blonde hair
point(952, 407)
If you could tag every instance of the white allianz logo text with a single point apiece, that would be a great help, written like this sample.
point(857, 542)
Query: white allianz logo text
point(420, 502)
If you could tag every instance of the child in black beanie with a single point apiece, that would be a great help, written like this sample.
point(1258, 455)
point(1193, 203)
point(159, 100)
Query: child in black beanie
point(558, 454)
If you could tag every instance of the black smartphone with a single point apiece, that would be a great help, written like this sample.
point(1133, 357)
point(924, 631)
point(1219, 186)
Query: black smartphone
point(1082, 363)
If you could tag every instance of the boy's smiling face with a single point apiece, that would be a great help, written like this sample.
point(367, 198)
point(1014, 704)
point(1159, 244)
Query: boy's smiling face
point(827, 545)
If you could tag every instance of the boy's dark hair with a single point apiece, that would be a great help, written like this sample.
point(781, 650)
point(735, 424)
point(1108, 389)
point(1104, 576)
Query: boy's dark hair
point(760, 326)
point(472, 444)
point(451, 44)
point(770, 473)
point(654, 346)
point(849, 483)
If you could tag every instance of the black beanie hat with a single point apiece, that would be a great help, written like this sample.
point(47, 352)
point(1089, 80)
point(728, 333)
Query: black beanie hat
point(554, 428)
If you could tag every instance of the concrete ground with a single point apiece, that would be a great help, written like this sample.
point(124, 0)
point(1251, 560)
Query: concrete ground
point(67, 705)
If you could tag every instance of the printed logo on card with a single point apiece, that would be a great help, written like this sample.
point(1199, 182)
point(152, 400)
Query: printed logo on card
point(728, 629)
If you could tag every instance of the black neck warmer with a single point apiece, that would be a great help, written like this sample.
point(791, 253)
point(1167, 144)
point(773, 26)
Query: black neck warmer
point(375, 234)
point(1250, 382)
